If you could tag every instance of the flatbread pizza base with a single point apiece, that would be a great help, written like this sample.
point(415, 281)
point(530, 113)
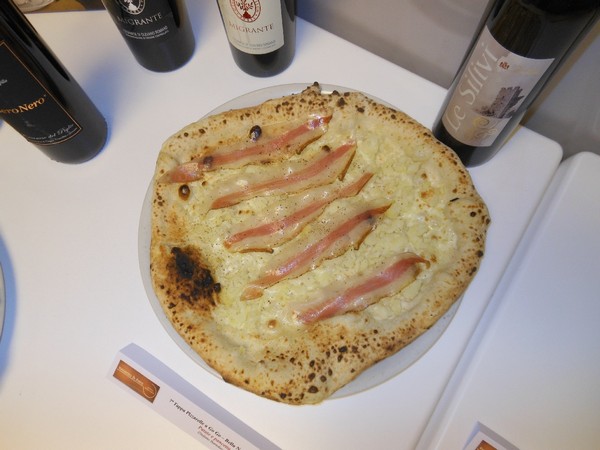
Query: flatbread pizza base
point(255, 345)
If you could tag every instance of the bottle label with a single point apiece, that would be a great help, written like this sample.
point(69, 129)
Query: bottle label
point(492, 87)
point(27, 105)
point(143, 19)
point(253, 26)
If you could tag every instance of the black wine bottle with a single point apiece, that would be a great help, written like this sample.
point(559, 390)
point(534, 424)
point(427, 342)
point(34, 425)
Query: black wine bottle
point(520, 45)
point(158, 32)
point(261, 34)
point(40, 99)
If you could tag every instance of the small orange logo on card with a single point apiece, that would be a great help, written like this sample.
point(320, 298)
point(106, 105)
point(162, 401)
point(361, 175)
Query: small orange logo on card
point(483, 445)
point(136, 381)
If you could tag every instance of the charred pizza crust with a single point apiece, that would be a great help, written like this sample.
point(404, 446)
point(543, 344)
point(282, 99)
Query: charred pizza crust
point(256, 344)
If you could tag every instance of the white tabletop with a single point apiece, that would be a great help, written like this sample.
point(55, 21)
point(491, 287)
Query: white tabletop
point(69, 250)
point(532, 369)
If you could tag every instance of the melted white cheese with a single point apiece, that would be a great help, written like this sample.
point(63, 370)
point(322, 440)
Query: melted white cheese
point(415, 222)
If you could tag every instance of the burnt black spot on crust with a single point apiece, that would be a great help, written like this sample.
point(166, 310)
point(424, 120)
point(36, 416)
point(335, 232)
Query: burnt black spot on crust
point(194, 282)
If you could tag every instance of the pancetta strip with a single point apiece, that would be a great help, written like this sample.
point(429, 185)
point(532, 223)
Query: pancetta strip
point(348, 230)
point(302, 209)
point(266, 145)
point(287, 178)
point(385, 281)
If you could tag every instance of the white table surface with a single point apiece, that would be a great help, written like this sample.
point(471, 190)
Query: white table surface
point(532, 369)
point(69, 250)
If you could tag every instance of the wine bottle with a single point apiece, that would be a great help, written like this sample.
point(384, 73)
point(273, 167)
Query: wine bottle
point(261, 34)
point(520, 45)
point(158, 32)
point(40, 99)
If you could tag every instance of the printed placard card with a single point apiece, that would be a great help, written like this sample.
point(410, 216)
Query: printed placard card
point(159, 387)
point(483, 438)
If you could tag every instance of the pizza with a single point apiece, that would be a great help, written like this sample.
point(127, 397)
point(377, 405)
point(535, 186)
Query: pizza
point(297, 242)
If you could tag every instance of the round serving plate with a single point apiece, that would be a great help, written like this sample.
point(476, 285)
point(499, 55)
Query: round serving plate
point(375, 375)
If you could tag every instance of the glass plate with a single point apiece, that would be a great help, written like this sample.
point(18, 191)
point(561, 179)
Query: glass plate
point(375, 375)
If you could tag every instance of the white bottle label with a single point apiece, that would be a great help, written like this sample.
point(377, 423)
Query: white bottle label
point(144, 20)
point(492, 87)
point(253, 26)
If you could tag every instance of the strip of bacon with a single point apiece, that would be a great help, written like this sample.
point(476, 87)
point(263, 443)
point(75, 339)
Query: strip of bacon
point(273, 144)
point(385, 281)
point(292, 177)
point(305, 207)
point(337, 237)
